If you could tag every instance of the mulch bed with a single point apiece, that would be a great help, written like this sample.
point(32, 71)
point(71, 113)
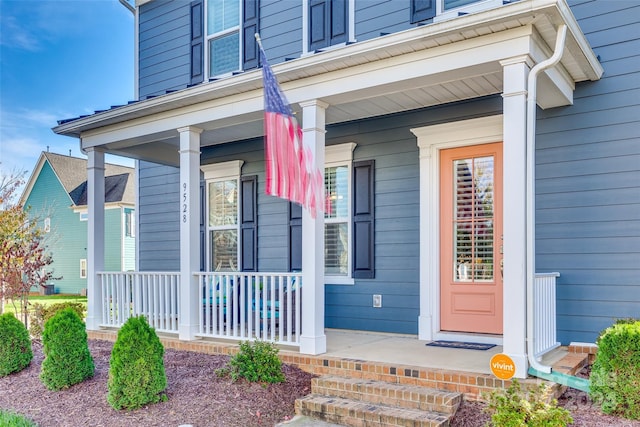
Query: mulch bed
point(197, 396)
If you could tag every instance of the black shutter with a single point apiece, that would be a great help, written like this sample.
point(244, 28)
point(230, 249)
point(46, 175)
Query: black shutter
point(197, 42)
point(318, 24)
point(295, 237)
point(203, 237)
point(251, 19)
point(327, 23)
point(338, 22)
point(363, 220)
point(422, 10)
point(249, 223)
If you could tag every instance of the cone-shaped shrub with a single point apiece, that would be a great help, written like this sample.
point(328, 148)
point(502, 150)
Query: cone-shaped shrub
point(67, 360)
point(136, 372)
point(15, 345)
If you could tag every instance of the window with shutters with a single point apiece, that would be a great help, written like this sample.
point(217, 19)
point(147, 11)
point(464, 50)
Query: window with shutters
point(349, 219)
point(230, 26)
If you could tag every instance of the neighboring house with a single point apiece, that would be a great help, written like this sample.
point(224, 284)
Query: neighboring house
point(56, 194)
point(447, 188)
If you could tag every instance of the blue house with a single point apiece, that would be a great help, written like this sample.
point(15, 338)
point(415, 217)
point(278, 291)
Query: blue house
point(481, 166)
point(56, 195)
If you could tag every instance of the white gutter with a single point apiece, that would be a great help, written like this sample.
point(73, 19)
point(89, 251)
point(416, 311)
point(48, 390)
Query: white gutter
point(530, 187)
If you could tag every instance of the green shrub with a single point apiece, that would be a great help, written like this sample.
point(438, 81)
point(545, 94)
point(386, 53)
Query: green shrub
point(136, 373)
point(11, 419)
point(15, 345)
point(615, 375)
point(257, 362)
point(67, 358)
point(514, 408)
point(41, 313)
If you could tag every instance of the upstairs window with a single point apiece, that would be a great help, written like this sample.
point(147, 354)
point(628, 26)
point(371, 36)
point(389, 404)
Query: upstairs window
point(223, 36)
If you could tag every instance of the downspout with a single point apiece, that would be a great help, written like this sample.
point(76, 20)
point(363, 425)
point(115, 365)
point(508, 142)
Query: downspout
point(530, 188)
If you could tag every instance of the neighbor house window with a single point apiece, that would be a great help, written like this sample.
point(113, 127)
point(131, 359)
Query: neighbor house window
point(130, 223)
point(47, 225)
point(84, 216)
point(223, 36)
point(83, 268)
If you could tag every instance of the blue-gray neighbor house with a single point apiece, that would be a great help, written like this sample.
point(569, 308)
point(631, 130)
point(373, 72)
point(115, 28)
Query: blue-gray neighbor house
point(481, 165)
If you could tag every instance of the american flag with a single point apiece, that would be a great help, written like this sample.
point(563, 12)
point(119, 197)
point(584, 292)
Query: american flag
point(291, 172)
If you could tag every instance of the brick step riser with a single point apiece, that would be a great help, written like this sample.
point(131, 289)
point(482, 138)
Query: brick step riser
point(358, 414)
point(389, 394)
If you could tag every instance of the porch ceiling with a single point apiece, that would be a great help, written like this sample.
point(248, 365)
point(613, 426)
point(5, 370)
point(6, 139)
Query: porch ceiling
point(425, 66)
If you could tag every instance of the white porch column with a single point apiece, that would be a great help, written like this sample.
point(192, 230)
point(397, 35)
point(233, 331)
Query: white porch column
point(313, 340)
point(515, 72)
point(95, 236)
point(189, 230)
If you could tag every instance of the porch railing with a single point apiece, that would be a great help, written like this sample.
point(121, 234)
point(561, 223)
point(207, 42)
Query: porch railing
point(249, 306)
point(544, 308)
point(155, 295)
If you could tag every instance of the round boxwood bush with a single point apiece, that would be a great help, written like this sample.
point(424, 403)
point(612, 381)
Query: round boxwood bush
point(615, 375)
point(136, 372)
point(15, 345)
point(67, 358)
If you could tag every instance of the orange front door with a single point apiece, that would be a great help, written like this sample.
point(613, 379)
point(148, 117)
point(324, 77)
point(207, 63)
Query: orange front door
point(471, 239)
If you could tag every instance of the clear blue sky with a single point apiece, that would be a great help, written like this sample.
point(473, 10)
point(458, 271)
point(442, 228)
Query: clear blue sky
point(59, 59)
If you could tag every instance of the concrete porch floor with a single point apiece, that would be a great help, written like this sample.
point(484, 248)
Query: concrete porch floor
point(405, 350)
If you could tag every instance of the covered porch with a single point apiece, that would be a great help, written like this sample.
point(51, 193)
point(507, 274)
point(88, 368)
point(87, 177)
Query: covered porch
point(470, 57)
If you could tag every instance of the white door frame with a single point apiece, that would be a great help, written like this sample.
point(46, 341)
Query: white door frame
point(432, 139)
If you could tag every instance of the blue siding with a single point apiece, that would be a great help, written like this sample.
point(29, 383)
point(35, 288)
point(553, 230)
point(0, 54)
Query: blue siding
point(164, 47)
point(158, 230)
point(374, 19)
point(588, 181)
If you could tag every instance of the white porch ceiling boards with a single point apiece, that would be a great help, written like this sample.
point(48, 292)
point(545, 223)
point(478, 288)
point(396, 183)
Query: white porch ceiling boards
point(425, 66)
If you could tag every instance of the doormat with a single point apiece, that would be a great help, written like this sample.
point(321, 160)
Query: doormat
point(460, 344)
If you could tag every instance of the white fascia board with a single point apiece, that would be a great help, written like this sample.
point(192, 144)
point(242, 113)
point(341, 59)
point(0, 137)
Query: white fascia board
point(435, 65)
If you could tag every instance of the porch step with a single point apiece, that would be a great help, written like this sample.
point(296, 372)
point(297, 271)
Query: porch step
point(383, 393)
point(359, 402)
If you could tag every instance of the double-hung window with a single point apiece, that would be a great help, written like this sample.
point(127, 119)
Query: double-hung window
point(337, 216)
point(222, 182)
point(440, 10)
point(223, 36)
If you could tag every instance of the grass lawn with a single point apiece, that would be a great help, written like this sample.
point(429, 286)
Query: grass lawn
point(46, 300)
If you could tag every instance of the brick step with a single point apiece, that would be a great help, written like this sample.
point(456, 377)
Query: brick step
point(384, 393)
point(349, 412)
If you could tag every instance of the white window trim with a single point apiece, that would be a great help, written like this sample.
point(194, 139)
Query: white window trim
point(442, 15)
point(208, 37)
point(340, 155)
point(351, 30)
point(84, 215)
point(217, 172)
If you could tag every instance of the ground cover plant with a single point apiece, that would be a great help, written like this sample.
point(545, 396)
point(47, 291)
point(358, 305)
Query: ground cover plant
point(67, 357)
point(137, 376)
point(15, 345)
point(11, 419)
